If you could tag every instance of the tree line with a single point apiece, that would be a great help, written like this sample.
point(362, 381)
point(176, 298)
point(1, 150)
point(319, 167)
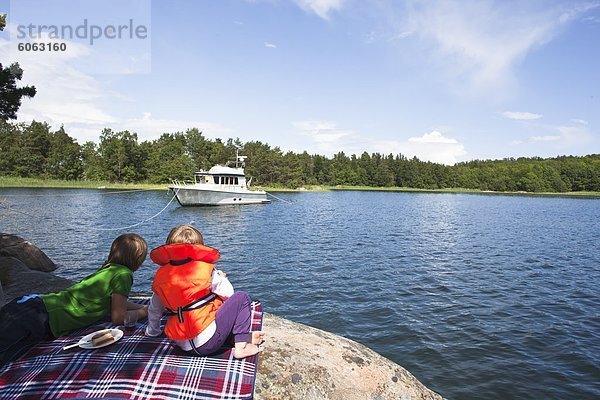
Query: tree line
point(35, 150)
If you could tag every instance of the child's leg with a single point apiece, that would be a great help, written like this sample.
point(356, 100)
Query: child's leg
point(27, 321)
point(233, 318)
point(243, 349)
point(243, 338)
point(258, 337)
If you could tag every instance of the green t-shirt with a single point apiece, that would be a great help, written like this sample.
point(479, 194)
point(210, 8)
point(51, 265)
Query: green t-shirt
point(87, 301)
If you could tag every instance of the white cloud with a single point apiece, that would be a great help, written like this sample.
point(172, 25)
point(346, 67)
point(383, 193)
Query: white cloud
point(374, 36)
point(70, 97)
point(580, 121)
point(548, 138)
point(320, 7)
point(564, 138)
point(64, 95)
point(521, 116)
point(270, 45)
point(479, 43)
point(432, 137)
point(149, 128)
point(433, 146)
point(326, 135)
point(572, 136)
point(329, 139)
point(592, 19)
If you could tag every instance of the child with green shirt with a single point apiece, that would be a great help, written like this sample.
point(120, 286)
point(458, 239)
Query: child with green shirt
point(35, 318)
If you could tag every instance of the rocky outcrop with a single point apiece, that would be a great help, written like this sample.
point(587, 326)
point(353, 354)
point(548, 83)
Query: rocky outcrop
point(298, 362)
point(17, 280)
point(301, 362)
point(24, 251)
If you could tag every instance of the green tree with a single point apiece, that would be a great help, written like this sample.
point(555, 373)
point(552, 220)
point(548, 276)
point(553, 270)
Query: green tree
point(383, 175)
point(167, 159)
point(92, 164)
point(291, 174)
point(10, 94)
point(262, 163)
point(321, 168)
point(307, 166)
point(64, 157)
point(341, 172)
point(121, 156)
point(198, 148)
point(35, 145)
point(10, 138)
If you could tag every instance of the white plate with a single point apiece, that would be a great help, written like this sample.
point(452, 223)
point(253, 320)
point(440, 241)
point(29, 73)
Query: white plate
point(86, 341)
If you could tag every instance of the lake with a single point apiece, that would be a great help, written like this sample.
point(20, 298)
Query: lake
point(478, 296)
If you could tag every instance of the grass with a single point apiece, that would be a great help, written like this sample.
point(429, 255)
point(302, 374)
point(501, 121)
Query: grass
point(13, 182)
point(462, 190)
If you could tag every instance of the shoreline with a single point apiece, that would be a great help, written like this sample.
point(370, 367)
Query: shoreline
point(14, 182)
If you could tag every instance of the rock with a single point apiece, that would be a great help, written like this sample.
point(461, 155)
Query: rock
point(301, 362)
point(17, 280)
point(27, 253)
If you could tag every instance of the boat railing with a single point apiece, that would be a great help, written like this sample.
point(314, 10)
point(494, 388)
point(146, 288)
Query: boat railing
point(177, 182)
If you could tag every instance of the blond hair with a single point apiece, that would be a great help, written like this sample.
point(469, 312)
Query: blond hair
point(185, 234)
point(129, 250)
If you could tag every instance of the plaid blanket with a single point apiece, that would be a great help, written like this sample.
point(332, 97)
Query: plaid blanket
point(135, 367)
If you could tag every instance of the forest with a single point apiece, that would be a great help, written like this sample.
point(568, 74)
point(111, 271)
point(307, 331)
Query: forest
point(35, 150)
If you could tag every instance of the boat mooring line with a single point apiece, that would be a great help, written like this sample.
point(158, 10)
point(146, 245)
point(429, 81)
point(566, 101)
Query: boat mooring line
point(99, 229)
point(144, 221)
point(279, 198)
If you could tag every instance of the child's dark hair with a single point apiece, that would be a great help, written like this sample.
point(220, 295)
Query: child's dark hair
point(129, 250)
point(185, 234)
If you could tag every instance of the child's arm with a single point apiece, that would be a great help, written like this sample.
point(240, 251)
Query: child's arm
point(134, 306)
point(118, 308)
point(120, 305)
point(220, 285)
point(155, 311)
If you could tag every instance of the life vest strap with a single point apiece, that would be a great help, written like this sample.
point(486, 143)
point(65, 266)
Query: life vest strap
point(192, 306)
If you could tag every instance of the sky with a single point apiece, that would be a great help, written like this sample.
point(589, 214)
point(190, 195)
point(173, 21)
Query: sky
point(443, 80)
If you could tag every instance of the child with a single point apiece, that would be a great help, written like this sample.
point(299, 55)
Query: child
point(202, 307)
point(34, 318)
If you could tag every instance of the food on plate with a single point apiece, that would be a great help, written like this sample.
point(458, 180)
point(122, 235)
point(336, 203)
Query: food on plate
point(103, 337)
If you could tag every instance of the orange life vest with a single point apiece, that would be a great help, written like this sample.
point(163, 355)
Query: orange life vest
point(184, 277)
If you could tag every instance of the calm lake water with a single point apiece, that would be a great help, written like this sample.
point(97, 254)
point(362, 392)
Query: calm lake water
point(479, 296)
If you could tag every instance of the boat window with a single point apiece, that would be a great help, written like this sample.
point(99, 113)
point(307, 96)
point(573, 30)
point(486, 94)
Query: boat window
point(216, 180)
point(236, 180)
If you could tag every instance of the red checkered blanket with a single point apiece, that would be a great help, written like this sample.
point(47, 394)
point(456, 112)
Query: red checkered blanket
point(135, 367)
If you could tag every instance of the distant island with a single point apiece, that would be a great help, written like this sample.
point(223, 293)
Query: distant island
point(34, 155)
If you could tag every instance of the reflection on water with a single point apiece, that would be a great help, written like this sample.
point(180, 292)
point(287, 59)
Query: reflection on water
point(479, 296)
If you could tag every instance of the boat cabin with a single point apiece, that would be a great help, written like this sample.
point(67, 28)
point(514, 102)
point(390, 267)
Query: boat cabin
point(220, 175)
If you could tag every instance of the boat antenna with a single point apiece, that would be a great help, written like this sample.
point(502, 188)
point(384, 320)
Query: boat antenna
point(239, 160)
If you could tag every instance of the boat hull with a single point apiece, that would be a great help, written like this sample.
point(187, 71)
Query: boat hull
point(194, 196)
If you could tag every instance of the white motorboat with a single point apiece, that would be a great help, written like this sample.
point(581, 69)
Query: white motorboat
point(220, 185)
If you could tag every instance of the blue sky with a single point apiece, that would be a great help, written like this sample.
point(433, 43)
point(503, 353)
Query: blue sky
point(445, 81)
